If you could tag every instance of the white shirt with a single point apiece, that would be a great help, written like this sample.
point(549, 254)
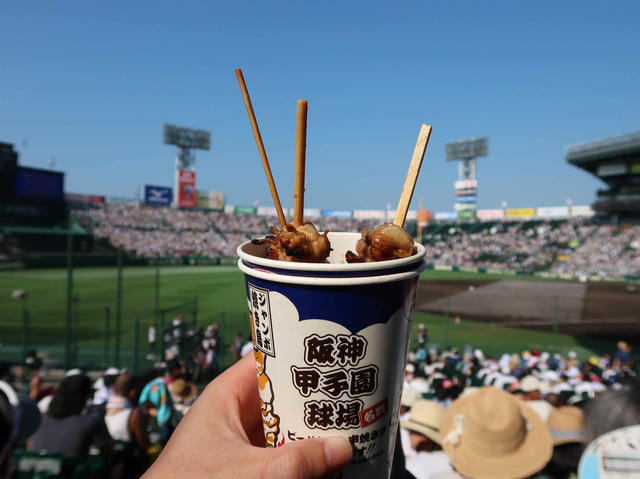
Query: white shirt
point(119, 411)
point(176, 331)
point(152, 334)
point(43, 404)
point(246, 349)
point(424, 464)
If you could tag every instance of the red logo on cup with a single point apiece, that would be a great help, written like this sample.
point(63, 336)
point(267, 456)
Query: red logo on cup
point(372, 414)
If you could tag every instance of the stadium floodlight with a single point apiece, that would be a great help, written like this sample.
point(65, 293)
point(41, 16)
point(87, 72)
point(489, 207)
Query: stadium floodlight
point(467, 149)
point(186, 139)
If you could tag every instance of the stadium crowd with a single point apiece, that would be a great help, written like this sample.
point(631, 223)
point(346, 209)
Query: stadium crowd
point(578, 247)
point(163, 232)
point(532, 413)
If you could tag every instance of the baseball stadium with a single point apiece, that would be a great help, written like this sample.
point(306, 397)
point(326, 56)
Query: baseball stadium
point(163, 321)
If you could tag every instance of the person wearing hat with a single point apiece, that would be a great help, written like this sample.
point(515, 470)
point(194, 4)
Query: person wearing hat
point(491, 434)
point(183, 393)
point(64, 429)
point(566, 425)
point(409, 397)
point(531, 388)
point(424, 433)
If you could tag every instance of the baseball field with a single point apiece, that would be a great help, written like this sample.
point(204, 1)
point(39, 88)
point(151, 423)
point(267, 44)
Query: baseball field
point(497, 314)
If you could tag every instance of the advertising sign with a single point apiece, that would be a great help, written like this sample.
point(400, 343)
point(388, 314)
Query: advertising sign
point(464, 206)
point(118, 200)
point(369, 214)
point(186, 189)
point(425, 215)
point(213, 200)
point(229, 209)
point(520, 213)
point(312, 213)
point(582, 211)
point(157, 195)
point(490, 214)
point(412, 215)
point(41, 184)
point(245, 210)
point(464, 184)
point(467, 214)
point(466, 192)
point(79, 198)
point(466, 199)
point(612, 170)
point(267, 211)
point(337, 213)
point(553, 212)
point(446, 215)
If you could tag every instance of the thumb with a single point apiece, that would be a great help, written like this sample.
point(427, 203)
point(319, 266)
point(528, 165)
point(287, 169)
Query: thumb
point(309, 459)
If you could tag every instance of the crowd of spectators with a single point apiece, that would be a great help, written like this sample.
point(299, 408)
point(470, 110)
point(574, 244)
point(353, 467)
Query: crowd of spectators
point(162, 232)
point(533, 412)
point(578, 247)
point(552, 406)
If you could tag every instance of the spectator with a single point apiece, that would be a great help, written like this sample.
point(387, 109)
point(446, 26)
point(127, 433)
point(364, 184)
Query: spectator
point(422, 336)
point(210, 364)
point(566, 425)
point(19, 419)
point(424, 431)
point(183, 395)
point(152, 335)
point(248, 347)
point(174, 371)
point(64, 429)
point(237, 347)
point(612, 410)
point(177, 326)
point(125, 422)
point(489, 431)
point(199, 356)
point(623, 354)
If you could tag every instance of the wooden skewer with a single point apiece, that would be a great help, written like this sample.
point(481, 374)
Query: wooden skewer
point(263, 153)
point(412, 176)
point(301, 148)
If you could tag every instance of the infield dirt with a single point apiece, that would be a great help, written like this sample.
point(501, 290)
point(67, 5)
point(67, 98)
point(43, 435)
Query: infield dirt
point(596, 310)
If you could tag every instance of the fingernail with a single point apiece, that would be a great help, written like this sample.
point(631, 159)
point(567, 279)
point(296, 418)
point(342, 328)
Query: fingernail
point(338, 451)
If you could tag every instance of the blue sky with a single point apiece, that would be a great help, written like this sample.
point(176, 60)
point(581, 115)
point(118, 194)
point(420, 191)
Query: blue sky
point(91, 83)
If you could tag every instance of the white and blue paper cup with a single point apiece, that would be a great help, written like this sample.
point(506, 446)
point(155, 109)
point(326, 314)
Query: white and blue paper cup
point(331, 344)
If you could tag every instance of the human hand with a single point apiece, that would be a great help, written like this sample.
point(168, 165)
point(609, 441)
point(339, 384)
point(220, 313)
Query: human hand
point(221, 436)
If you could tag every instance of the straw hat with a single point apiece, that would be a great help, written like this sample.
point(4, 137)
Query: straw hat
point(566, 425)
point(425, 418)
point(530, 383)
point(493, 435)
point(410, 396)
point(184, 390)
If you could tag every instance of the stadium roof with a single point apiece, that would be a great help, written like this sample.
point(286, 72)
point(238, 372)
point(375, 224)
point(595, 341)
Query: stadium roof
point(608, 148)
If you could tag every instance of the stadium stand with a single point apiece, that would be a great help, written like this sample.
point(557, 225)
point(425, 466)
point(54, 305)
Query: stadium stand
point(579, 247)
point(615, 161)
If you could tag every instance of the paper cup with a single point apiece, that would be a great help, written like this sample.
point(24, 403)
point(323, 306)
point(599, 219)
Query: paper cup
point(331, 343)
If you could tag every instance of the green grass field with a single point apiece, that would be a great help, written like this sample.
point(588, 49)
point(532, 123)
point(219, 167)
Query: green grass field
point(220, 292)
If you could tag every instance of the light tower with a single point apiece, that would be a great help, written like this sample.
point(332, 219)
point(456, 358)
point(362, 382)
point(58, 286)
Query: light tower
point(467, 151)
point(186, 140)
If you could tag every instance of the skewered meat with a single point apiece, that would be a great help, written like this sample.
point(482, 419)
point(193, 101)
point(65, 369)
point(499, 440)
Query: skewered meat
point(301, 244)
point(382, 243)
